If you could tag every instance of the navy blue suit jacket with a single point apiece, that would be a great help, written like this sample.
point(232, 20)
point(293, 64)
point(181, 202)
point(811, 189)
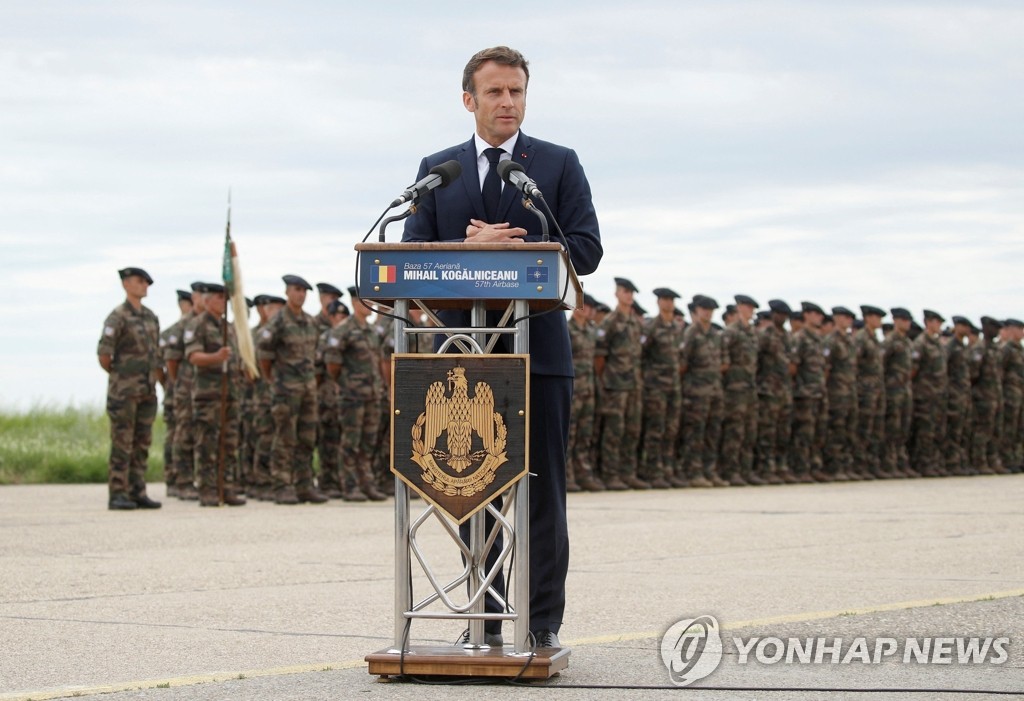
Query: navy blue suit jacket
point(445, 214)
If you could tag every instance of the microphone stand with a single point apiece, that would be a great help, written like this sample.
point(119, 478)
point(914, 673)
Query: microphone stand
point(528, 203)
point(398, 217)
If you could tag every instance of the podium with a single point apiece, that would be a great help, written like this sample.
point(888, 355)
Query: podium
point(466, 456)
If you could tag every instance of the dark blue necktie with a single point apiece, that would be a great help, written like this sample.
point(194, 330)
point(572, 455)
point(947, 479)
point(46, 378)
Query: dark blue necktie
point(492, 185)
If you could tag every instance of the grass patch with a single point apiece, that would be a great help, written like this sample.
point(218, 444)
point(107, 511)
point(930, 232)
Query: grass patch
point(69, 445)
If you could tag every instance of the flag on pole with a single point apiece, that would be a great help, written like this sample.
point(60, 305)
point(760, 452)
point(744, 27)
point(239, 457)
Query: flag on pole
point(232, 274)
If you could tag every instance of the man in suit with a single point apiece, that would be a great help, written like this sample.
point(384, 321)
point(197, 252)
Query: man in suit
point(477, 208)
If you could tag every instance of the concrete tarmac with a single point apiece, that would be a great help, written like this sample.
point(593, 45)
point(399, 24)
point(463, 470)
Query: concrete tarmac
point(276, 602)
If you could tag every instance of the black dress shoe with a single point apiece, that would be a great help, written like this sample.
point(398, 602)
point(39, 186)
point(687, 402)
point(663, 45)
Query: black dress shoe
point(490, 639)
point(547, 638)
point(121, 502)
point(144, 502)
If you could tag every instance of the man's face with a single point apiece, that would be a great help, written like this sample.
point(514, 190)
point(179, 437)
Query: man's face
point(273, 308)
point(499, 101)
point(901, 325)
point(325, 300)
point(813, 319)
point(135, 285)
point(215, 303)
point(932, 326)
point(184, 306)
point(872, 321)
point(362, 311)
point(703, 315)
point(746, 312)
point(624, 296)
point(843, 322)
point(296, 295)
point(666, 305)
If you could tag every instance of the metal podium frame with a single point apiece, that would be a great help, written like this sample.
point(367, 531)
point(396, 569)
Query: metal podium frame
point(383, 279)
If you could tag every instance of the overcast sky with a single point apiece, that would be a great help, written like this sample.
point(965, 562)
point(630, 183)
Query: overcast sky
point(842, 152)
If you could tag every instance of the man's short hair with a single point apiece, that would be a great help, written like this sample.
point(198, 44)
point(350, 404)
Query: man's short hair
point(499, 54)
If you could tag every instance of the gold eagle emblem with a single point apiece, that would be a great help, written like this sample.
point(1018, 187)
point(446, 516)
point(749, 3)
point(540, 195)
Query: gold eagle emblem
point(458, 417)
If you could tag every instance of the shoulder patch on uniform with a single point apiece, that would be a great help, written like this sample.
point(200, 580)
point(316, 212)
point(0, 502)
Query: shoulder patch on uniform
point(188, 335)
point(826, 352)
point(601, 333)
point(643, 338)
point(108, 330)
point(916, 354)
point(265, 333)
point(172, 339)
point(333, 341)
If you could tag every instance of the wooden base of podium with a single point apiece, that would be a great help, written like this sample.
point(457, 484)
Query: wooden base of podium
point(454, 661)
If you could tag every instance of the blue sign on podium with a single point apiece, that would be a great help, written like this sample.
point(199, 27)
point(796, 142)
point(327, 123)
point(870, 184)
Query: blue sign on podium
point(446, 271)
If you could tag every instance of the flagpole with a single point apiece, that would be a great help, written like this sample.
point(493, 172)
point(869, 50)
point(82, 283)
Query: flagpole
point(222, 442)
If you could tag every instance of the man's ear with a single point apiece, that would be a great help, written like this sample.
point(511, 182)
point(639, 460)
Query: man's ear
point(468, 102)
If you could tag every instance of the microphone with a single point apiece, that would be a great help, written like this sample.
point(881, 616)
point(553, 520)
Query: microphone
point(439, 176)
point(513, 173)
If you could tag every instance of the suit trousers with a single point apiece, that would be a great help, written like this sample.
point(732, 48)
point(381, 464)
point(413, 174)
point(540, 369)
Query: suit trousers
point(550, 401)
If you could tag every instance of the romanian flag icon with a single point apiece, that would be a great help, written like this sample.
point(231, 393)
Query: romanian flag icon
point(385, 273)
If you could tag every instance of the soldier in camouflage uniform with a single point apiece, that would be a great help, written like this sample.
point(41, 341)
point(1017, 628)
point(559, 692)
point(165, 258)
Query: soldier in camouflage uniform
point(617, 367)
point(181, 373)
point(958, 399)
point(869, 446)
point(1013, 395)
point(129, 353)
point(773, 387)
point(353, 357)
point(328, 436)
point(259, 484)
point(287, 350)
point(808, 369)
point(215, 411)
point(987, 397)
point(171, 335)
point(701, 368)
point(796, 322)
point(929, 383)
point(897, 362)
point(583, 339)
point(661, 342)
point(385, 328)
point(328, 409)
point(841, 389)
point(739, 380)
